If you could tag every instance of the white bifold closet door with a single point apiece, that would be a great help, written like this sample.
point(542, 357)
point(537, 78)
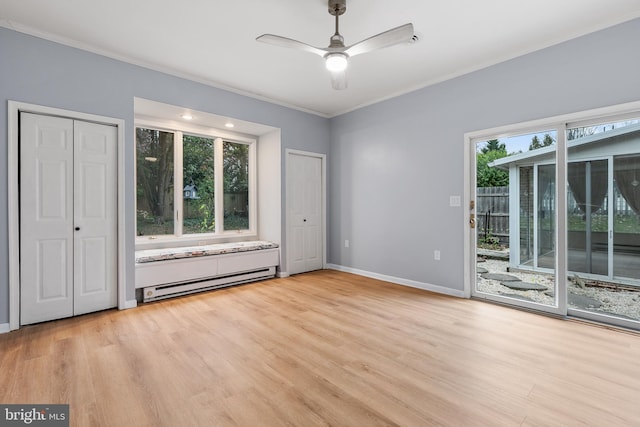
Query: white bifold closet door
point(68, 217)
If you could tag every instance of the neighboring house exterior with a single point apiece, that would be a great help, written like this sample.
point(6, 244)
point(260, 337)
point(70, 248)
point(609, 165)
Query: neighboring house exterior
point(603, 177)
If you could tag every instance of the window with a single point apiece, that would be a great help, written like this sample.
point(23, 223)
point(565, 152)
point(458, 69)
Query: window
point(193, 184)
point(236, 185)
point(154, 172)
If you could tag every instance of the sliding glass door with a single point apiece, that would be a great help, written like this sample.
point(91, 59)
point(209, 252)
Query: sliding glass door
point(556, 213)
point(626, 212)
point(516, 231)
point(603, 221)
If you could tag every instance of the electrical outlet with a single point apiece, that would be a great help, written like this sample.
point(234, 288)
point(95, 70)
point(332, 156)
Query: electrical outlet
point(346, 243)
point(454, 201)
point(436, 255)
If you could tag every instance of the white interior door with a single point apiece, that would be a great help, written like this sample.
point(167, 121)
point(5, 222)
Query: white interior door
point(305, 213)
point(67, 218)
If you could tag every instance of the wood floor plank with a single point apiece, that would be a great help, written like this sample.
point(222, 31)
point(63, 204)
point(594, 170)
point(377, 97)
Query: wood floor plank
point(325, 349)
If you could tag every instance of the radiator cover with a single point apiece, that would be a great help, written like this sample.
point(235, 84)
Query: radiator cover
point(164, 279)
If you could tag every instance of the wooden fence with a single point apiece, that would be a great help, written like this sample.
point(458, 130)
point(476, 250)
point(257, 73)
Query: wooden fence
point(492, 213)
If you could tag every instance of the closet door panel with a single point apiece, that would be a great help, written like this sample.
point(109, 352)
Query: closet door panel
point(46, 219)
point(95, 216)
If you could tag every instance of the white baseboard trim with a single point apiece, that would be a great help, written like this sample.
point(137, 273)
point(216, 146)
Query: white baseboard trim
point(130, 304)
point(400, 281)
point(4, 327)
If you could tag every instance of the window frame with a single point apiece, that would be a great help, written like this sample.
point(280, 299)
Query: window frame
point(178, 238)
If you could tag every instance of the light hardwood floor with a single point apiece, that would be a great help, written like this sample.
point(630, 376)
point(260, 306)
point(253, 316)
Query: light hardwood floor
point(325, 348)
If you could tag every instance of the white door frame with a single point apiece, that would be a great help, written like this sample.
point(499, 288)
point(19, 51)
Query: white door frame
point(14, 109)
point(288, 183)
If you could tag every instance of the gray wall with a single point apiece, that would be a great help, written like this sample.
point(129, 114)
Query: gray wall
point(40, 72)
point(395, 164)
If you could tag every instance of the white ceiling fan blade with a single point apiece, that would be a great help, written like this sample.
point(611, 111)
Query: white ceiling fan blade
point(339, 79)
point(401, 34)
point(290, 43)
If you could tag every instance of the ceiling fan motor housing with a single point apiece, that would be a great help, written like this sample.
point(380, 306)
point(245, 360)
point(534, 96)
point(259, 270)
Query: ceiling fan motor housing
point(336, 41)
point(337, 7)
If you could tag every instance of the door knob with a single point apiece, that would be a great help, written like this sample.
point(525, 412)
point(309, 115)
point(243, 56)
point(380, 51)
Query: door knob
point(304, 220)
point(472, 221)
point(77, 228)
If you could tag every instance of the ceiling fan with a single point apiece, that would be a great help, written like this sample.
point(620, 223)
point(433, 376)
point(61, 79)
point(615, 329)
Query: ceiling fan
point(337, 55)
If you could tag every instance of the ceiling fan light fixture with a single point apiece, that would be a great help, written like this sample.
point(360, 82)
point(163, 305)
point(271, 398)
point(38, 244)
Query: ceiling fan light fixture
point(336, 56)
point(336, 61)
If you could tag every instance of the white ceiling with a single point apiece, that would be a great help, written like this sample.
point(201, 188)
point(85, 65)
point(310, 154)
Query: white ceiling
point(213, 41)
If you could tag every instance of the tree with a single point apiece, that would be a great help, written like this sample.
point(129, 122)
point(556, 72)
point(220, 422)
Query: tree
point(547, 140)
point(487, 176)
point(236, 167)
point(198, 164)
point(535, 143)
point(154, 167)
point(576, 133)
point(493, 145)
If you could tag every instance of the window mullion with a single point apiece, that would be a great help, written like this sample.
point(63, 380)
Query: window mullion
point(561, 218)
point(177, 188)
point(218, 171)
point(536, 228)
point(253, 185)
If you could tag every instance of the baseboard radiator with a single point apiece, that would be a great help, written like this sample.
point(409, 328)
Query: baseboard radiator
point(154, 293)
point(171, 278)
